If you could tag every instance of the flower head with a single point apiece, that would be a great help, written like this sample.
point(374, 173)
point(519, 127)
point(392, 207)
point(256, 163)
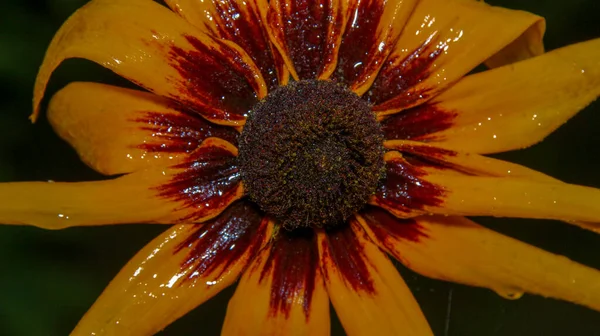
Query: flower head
point(295, 144)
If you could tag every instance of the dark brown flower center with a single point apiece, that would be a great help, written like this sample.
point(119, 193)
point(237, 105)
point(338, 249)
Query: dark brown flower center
point(311, 154)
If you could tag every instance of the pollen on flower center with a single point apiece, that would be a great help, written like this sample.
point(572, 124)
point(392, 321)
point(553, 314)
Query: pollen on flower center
point(311, 154)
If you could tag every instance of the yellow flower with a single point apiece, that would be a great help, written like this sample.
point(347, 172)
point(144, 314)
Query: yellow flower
point(295, 143)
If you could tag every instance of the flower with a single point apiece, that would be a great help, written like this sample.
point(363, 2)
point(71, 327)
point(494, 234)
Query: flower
point(248, 142)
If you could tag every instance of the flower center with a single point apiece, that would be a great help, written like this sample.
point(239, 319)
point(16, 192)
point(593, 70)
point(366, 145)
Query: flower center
point(311, 154)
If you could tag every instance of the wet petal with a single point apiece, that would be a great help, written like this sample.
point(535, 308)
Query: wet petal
point(517, 105)
point(53, 205)
point(368, 294)
point(282, 292)
point(372, 29)
point(118, 130)
point(207, 182)
point(458, 250)
point(442, 41)
point(160, 52)
point(307, 34)
point(177, 271)
point(193, 190)
point(418, 184)
point(237, 21)
point(462, 163)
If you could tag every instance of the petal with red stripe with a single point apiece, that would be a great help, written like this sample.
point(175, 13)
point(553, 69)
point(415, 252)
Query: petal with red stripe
point(116, 130)
point(177, 271)
point(368, 294)
point(507, 108)
point(421, 181)
point(458, 250)
point(240, 22)
point(372, 29)
point(149, 45)
point(443, 41)
point(282, 292)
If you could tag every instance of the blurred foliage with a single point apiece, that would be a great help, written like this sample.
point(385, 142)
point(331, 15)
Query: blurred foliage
point(49, 278)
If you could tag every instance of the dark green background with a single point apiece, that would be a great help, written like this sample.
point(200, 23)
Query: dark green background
point(49, 278)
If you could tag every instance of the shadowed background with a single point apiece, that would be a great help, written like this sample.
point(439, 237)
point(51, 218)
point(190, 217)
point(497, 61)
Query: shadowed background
point(48, 279)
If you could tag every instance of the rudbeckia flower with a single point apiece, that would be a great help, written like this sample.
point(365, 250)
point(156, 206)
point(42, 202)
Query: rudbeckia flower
point(295, 144)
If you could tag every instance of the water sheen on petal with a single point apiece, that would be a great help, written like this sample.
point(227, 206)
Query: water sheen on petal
point(179, 270)
point(442, 41)
point(358, 274)
point(206, 183)
point(282, 292)
point(160, 52)
point(116, 130)
point(426, 179)
point(240, 22)
point(458, 250)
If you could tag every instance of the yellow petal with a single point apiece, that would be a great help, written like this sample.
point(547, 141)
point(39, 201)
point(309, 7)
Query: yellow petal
point(372, 29)
point(528, 45)
point(458, 250)
point(197, 189)
point(282, 292)
point(368, 294)
point(237, 21)
point(177, 271)
point(443, 41)
point(478, 165)
point(149, 45)
point(518, 105)
point(465, 162)
point(415, 186)
point(52, 205)
point(118, 130)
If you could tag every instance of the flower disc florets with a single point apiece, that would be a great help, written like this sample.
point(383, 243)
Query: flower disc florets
point(311, 154)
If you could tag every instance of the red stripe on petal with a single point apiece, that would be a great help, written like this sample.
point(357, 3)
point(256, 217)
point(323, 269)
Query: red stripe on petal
point(310, 30)
point(244, 28)
point(346, 252)
point(393, 87)
point(217, 81)
point(359, 41)
point(220, 242)
point(386, 226)
point(428, 156)
point(292, 265)
point(180, 133)
point(209, 180)
point(418, 123)
point(404, 190)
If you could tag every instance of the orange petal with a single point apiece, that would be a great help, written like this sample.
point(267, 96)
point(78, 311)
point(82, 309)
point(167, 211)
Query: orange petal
point(474, 164)
point(514, 106)
point(50, 205)
point(177, 271)
point(196, 190)
point(465, 162)
point(282, 292)
point(207, 182)
point(458, 250)
point(307, 34)
point(373, 27)
point(528, 45)
point(368, 294)
point(420, 185)
point(442, 41)
point(118, 130)
point(148, 44)
point(237, 21)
